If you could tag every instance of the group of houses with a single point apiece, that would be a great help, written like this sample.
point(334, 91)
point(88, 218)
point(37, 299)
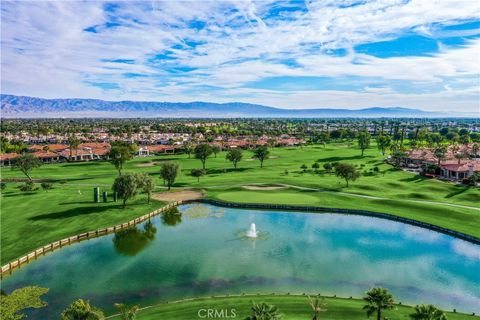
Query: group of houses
point(456, 164)
point(89, 151)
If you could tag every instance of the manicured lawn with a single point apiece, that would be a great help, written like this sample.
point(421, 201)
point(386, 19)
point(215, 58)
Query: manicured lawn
point(292, 308)
point(34, 219)
point(460, 219)
point(30, 221)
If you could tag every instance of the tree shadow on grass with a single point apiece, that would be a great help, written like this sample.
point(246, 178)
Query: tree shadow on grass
point(80, 164)
point(337, 159)
point(415, 178)
point(227, 170)
point(460, 190)
point(73, 212)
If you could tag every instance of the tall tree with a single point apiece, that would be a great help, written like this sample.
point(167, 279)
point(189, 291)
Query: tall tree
point(346, 171)
point(169, 172)
point(119, 155)
point(202, 152)
point(378, 299)
point(261, 153)
point(23, 298)
point(82, 310)
point(440, 153)
point(363, 140)
point(197, 173)
point(234, 156)
point(398, 158)
point(145, 182)
point(126, 186)
point(127, 312)
point(26, 163)
point(383, 143)
point(73, 143)
point(428, 312)
point(216, 149)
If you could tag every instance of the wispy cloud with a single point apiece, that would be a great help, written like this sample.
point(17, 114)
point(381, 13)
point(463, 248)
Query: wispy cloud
point(218, 51)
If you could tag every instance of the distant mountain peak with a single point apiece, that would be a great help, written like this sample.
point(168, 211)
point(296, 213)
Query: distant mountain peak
point(30, 107)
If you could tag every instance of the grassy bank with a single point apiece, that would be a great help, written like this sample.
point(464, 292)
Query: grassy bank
point(32, 220)
point(455, 218)
point(292, 308)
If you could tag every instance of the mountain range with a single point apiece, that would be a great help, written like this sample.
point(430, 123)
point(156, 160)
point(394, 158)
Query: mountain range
point(29, 107)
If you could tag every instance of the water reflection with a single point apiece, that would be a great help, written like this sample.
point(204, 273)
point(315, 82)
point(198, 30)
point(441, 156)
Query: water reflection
point(172, 217)
point(131, 241)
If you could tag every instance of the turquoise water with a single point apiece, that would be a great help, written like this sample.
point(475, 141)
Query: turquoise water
point(205, 252)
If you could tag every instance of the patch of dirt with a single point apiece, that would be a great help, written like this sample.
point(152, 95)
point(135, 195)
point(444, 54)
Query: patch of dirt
point(177, 195)
point(264, 187)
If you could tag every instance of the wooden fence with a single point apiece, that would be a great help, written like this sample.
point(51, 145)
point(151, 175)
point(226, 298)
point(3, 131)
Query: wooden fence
point(9, 267)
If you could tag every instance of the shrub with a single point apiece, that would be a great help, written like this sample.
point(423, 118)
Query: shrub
point(3, 185)
point(46, 186)
point(28, 186)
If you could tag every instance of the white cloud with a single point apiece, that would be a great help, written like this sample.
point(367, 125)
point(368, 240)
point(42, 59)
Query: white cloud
point(47, 53)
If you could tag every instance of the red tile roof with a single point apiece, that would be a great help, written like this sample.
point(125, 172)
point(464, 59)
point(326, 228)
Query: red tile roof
point(45, 154)
point(8, 156)
point(462, 167)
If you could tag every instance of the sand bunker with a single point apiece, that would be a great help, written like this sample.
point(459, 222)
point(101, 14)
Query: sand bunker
point(146, 164)
point(264, 187)
point(177, 195)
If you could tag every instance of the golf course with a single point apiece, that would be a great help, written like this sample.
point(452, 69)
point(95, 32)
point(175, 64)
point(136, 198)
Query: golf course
point(34, 218)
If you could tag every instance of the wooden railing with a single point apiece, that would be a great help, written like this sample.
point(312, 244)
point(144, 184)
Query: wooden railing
point(8, 268)
point(33, 255)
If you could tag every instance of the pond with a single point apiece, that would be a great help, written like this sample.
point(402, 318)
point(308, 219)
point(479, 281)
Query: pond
point(204, 251)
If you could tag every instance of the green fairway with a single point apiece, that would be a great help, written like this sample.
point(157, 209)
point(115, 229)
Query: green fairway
point(460, 219)
point(32, 219)
point(291, 307)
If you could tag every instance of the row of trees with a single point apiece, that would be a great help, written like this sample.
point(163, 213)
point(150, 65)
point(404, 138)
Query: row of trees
point(377, 300)
point(310, 128)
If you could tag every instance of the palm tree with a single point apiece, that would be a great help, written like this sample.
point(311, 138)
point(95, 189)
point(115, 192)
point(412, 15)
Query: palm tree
point(82, 310)
point(378, 299)
point(428, 312)
point(73, 144)
point(264, 311)
point(127, 313)
point(318, 305)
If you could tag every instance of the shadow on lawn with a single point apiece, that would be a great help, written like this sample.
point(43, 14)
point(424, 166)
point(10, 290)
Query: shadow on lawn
point(227, 170)
point(337, 159)
point(416, 178)
point(461, 189)
point(73, 212)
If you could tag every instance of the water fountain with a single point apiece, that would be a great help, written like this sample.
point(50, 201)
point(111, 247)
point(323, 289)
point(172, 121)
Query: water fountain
point(252, 232)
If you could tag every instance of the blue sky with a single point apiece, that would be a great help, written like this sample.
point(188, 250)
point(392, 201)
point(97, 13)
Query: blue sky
point(288, 54)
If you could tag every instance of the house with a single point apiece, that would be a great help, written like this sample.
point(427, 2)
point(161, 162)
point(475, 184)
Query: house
point(47, 156)
point(143, 152)
point(459, 171)
point(6, 158)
